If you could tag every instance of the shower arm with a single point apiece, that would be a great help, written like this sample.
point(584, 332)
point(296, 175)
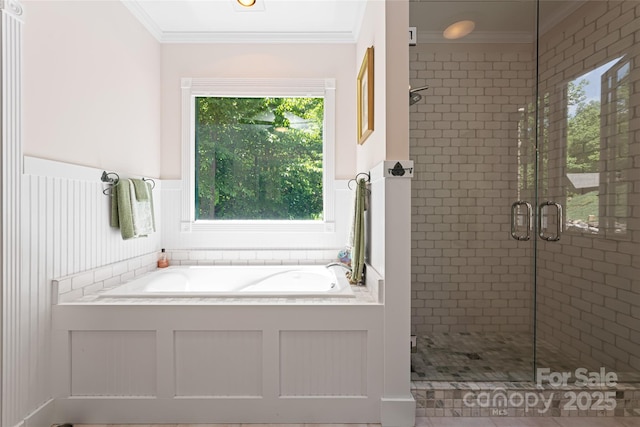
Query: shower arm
point(419, 89)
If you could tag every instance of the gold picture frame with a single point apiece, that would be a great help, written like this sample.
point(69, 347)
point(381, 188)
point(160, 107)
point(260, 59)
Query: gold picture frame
point(365, 97)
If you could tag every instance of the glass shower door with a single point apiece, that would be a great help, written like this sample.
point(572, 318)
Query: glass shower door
point(588, 205)
point(473, 143)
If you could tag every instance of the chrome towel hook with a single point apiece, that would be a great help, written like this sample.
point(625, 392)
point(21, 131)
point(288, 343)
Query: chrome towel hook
point(355, 180)
point(153, 183)
point(113, 178)
point(107, 177)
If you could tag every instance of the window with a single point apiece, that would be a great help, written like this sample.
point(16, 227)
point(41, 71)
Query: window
point(597, 159)
point(258, 154)
point(258, 158)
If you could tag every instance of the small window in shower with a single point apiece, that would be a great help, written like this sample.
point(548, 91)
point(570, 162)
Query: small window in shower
point(258, 158)
point(597, 157)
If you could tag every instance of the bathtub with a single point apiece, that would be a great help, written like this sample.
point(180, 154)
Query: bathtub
point(308, 281)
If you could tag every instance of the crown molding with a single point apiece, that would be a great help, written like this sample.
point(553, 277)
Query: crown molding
point(144, 18)
point(139, 13)
point(257, 37)
point(478, 37)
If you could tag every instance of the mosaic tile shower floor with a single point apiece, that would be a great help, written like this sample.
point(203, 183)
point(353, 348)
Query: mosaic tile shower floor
point(473, 356)
point(452, 373)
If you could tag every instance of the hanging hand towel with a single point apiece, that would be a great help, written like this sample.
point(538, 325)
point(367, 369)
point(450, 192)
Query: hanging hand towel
point(357, 245)
point(114, 220)
point(134, 207)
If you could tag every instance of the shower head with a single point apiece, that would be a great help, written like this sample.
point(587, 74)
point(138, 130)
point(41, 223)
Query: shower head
point(414, 96)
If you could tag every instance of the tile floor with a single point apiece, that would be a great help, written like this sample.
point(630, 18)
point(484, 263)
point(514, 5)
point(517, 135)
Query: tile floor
point(472, 356)
point(528, 422)
point(438, 422)
point(491, 399)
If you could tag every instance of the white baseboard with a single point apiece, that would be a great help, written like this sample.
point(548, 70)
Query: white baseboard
point(41, 417)
point(398, 412)
point(257, 410)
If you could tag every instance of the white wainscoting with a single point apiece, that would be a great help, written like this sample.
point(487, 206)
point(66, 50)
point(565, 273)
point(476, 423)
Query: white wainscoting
point(64, 230)
point(65, 203)
point(218, 363)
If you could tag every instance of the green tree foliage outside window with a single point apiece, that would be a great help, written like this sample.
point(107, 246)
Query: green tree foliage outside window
point(583, 134)
point(583, 152)
point(259, 158)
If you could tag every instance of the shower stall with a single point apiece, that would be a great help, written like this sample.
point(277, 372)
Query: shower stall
point(526, 198)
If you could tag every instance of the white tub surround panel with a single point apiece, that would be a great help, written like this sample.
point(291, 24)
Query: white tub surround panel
point(200, 356)
point(391, 257)
point(217, 364)
point(98, 371)
point(338, 361)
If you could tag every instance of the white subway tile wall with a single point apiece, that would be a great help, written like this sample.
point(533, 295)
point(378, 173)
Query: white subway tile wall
point(468, 274)
point(250, 257)
point(472, 153)
point(70, 288)
point(589, 282)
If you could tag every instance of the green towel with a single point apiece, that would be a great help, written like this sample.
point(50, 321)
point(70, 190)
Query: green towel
point(357, 249)
point(125, 217)
point(142, 189)
point(135, 217)
point(153, 215)
point(114, 220)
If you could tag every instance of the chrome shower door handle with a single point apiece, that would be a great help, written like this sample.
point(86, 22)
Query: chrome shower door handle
point(514, 220)
point(542, 215)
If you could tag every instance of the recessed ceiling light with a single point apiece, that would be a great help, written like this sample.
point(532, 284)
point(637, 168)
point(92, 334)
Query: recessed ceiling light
point(459, 29)
point(247, 5)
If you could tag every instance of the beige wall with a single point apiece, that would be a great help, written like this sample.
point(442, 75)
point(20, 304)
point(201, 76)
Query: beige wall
point(259, 60)
point(372, 33)
point(468, 274)
point(74, 111)
point(396, 80)
point(91, 86)
point(385, 27)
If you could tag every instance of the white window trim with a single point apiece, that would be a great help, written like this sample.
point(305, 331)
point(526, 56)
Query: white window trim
point(194, 87)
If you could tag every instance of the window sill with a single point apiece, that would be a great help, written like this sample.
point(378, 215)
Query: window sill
point(235, 226)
